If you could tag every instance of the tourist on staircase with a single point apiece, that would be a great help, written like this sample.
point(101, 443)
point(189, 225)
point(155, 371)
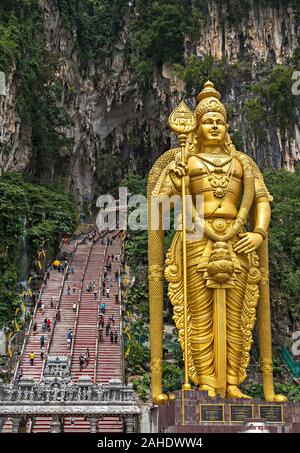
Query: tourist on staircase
point(42, 352)
point(107, 329)
point(116, 336)
point(20, 375)
point(42, 340)
point(81, 361)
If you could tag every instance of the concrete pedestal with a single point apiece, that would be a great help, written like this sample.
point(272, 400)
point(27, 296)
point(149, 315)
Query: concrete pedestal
point(197, 413)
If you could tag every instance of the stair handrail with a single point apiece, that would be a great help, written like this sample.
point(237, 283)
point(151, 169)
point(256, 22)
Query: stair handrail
point(78, 303)
point(121, 324)
point(27, 334)
point(291, 363)
point(98, 316)
point(61, 291)
point(113, 236)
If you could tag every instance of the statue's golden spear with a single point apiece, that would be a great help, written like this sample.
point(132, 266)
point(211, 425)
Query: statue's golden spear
point(182, 122)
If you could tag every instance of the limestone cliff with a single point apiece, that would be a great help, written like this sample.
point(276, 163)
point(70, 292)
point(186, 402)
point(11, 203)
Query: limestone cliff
point(118, 126)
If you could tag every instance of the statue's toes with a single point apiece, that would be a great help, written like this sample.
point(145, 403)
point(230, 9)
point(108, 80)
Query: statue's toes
point(212, 393)
point(246, 396)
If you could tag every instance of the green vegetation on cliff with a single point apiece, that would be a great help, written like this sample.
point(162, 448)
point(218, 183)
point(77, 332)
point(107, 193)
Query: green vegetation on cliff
point(272, 102)
point(284, 240)
point(23, 46)
point(143, 35)
point(37, 214)
point(95, 26)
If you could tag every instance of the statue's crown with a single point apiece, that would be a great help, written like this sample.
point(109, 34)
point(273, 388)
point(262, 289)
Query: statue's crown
point(209, 101)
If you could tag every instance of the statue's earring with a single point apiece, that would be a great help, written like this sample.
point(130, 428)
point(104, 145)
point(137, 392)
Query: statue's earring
point(227, 143)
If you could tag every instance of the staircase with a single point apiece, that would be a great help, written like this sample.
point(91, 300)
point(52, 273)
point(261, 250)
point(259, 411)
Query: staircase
point(86, 329)
point(109, 360)
point(105, 360)
point(68, 315)
point(52, 290)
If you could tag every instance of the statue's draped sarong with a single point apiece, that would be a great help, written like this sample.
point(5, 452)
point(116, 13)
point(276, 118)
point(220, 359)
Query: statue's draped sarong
point(238, 322)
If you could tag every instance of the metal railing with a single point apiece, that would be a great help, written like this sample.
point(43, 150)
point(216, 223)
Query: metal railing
point(79, 302)
point(99, 310)
point(293, 366)
point(57, 307)
point(98, 317)
point(27, 335)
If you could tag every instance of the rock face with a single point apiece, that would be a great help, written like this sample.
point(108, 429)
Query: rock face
point(119, 129)
point(15, 153)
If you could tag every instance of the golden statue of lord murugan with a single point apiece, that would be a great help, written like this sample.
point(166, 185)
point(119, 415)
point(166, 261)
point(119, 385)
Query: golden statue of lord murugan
point(218, 282)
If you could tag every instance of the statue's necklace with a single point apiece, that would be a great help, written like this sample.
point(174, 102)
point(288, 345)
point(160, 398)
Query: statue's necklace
point(218, 182)
point(216, 161)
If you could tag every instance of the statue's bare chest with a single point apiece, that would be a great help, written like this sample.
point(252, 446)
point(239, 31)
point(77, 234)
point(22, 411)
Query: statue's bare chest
point(217, 174)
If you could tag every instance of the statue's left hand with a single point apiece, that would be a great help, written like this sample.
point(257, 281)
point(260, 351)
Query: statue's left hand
point(248, 242)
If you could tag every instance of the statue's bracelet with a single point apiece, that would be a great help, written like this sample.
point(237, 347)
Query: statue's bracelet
point(261, 232)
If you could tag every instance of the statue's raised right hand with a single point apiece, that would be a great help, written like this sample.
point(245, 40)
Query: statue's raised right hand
point(177, 174)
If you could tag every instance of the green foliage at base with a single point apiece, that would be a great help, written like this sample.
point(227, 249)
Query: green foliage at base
point(284, 240)
point(138, 357)
point(137, 298)
point(39, 214)
point(142, 386)
point(136, 247)
point(290, 390)
point(173, 377)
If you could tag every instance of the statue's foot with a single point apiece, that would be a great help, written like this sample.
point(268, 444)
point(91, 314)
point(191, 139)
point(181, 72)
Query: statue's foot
point(210, 390)
point(234, 392)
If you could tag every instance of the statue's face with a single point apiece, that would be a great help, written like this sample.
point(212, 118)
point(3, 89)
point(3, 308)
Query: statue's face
point(212, 129)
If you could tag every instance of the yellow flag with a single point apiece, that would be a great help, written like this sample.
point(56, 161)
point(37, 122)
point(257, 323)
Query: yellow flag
point(9, 351)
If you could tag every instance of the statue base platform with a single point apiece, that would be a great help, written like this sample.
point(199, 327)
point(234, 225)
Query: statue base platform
point(195, 412)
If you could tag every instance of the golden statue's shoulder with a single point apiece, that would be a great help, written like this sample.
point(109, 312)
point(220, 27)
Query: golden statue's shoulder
point(256, 172)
